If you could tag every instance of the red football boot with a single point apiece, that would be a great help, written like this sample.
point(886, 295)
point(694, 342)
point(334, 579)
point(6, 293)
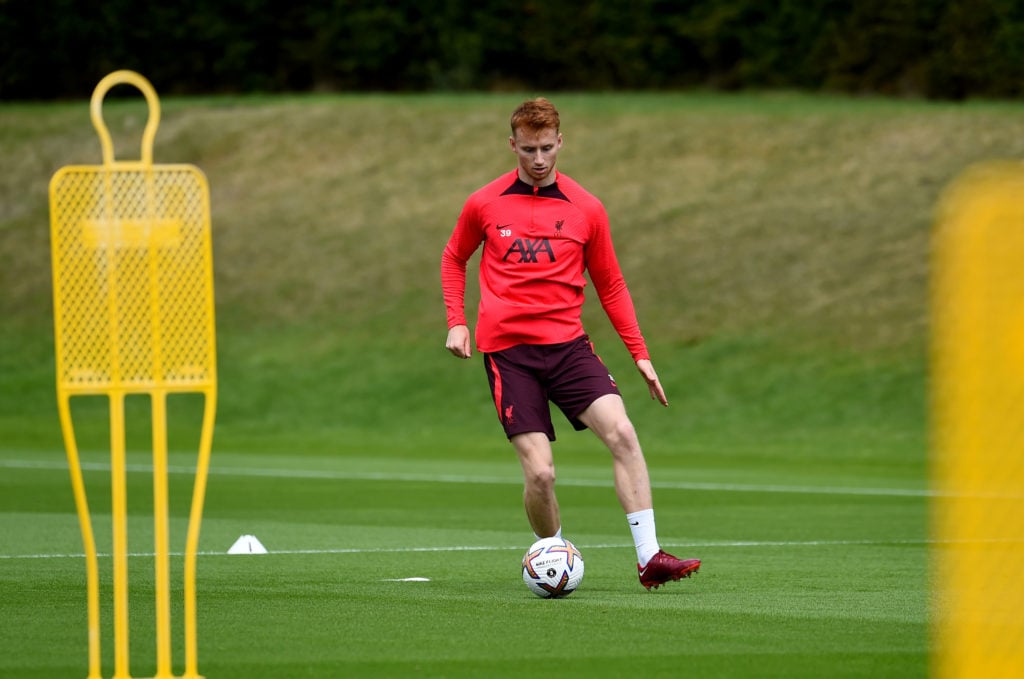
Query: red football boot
point(664, 567)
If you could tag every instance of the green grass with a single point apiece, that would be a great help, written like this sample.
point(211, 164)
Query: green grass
point(777, 249)
point(794, 583)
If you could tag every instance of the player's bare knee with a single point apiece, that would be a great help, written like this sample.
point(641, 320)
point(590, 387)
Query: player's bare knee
point(621, 436)
point(540, 478)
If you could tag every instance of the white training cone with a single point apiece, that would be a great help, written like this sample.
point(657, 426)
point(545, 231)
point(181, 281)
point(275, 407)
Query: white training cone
point(247, 544)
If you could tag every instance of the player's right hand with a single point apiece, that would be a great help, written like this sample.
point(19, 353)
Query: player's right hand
point(458, 341)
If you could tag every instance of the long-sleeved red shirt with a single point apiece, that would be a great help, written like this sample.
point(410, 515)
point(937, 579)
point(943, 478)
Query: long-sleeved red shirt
point(537, 243)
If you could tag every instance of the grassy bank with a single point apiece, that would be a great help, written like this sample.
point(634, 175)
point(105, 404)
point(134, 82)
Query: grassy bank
point(776, 247)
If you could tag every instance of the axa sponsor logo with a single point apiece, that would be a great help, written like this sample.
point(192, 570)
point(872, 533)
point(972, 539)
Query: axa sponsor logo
point(529, 250)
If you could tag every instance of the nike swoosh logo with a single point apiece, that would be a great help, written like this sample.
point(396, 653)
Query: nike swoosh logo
point(634, 524)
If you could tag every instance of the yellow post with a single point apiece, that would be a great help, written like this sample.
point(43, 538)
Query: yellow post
point(92, 576)
point(134, 314)
point(977, 408)
point(119, 514)
point(161, 539)
point(192, 539)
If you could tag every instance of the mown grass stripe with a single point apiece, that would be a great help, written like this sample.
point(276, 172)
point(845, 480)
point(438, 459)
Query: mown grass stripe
point(478, 479)
point(493, 548)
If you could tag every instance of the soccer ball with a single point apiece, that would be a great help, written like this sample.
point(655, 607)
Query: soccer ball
point(553, 568)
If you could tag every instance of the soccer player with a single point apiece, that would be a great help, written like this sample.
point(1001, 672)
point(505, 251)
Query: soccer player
point(540, 231)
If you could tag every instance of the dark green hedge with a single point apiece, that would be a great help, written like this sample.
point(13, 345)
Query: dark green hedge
point(935, 48)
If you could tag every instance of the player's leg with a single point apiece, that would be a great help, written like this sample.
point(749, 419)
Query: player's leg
point(534, 450)
point(521, 402)
point(607, 418)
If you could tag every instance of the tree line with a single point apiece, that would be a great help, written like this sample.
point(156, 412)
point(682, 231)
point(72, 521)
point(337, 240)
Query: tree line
point(946, 49)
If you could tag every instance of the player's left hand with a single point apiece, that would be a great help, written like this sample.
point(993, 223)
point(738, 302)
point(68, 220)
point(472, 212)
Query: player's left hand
point(646, 369)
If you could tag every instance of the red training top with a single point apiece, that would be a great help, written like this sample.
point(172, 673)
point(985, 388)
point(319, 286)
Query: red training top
point(537, 243)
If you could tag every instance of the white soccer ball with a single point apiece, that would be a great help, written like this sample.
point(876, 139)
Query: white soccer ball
point(552, 568)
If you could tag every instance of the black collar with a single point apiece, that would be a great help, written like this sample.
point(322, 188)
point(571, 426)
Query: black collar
point(521, 188)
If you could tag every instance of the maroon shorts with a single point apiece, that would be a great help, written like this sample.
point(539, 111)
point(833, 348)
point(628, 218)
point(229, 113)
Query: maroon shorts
point(525, 377)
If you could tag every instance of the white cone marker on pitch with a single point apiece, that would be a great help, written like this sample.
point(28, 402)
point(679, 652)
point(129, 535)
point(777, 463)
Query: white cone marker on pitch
point(247, 544)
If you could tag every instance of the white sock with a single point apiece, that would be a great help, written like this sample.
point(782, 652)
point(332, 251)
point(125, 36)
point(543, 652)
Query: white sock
point(558, 534)
point(645, 537)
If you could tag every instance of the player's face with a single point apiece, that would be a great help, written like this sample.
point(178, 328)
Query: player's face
point(537, 151)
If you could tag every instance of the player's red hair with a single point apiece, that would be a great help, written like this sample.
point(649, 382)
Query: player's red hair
point(535, 114)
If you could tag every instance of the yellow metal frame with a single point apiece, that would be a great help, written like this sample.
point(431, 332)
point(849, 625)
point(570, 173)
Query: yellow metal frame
point(977, 406)
point(134, 314)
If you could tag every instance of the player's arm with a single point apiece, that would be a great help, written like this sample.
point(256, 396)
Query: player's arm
point(606, 275)
point(464, 241)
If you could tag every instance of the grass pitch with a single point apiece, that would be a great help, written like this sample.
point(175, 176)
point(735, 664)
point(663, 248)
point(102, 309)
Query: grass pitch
point(822, 579)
